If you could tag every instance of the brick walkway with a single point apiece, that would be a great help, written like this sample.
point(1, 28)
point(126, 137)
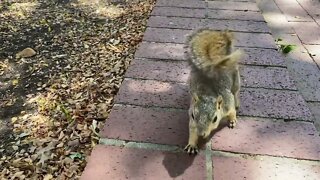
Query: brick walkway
point(298, 22)
point(148, 126)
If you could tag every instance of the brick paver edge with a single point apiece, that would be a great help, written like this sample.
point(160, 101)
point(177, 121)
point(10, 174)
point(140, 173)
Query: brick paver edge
point(207, 151)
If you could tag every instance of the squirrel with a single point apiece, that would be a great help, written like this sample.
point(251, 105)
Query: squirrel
point(214, 83)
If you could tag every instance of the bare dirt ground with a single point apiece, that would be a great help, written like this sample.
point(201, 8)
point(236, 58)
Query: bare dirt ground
point(53, 103)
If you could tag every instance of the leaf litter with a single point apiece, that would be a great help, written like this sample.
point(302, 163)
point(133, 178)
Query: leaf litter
point(61, 64)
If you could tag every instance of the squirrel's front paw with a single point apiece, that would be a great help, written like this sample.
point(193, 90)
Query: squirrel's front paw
point(232, 123)
point(191, 149)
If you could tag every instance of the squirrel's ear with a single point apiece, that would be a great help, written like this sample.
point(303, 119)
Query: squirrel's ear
point(219, 102)
point(195, 97)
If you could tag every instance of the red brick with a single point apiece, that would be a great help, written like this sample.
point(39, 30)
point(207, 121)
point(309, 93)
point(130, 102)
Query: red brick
point(242, 6)
point(153, 93)
point(312, 7)
point(314, 51)
point(182, 3)
point(212, 13)
point(274, 104)
point(166, 35)
point(226, 168)
point(303, 69)
point(107, 162)
point(235, 15)
point(266, 77)
point(235, 25)
point(293, 11)
point(268, 137)
point(254, 102)
point(277, 22)
point(175, 22)
point(177, 71)
point(160, 51)
point(153, 125)
point(259, 40)
point(257, 56)
point(315, 109)
point(195, 23)
point(178, 12)
point(179, 36)
point(308, 32)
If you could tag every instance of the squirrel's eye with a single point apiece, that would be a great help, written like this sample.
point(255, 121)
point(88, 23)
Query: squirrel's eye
point(215, 119)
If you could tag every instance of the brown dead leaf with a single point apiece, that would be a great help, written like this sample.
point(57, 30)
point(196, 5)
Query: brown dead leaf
point(80, 65)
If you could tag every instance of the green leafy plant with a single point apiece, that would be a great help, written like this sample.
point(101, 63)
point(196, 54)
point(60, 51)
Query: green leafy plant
point(285, 48)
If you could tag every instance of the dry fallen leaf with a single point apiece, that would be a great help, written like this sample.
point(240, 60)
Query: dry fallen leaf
point(70, 83)
point(48, 177)
point(15, 82)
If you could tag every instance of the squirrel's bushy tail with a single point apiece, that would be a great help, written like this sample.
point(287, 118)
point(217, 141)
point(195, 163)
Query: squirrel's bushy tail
point(209, 51)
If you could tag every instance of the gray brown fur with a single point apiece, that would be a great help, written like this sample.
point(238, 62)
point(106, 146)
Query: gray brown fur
point(214, 83)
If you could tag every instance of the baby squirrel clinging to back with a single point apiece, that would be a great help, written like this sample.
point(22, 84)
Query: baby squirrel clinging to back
point(214, 83)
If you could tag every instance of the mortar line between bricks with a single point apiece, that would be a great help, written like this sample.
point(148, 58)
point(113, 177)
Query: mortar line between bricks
point(206, 8)
point(252, 47)
point(309, 53)
point(146, 79)
point(313, 101)
point(186, 62)
point(264, 65)
point(251, 32)
point(155, 107)
point(297, 21)
point(177, 61)
point(199, 8)
point(262, 156)
point(210, 8)
point(181, 43)
point(306, 12)
point(244, 32)
point(209, 164)
point(185, 109)
point(185, 83)
point(179, 149)
point(259, 118)
point(140, 145)
point(208, 18)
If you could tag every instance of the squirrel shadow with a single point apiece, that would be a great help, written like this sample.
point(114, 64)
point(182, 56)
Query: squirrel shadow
point(177, 163)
